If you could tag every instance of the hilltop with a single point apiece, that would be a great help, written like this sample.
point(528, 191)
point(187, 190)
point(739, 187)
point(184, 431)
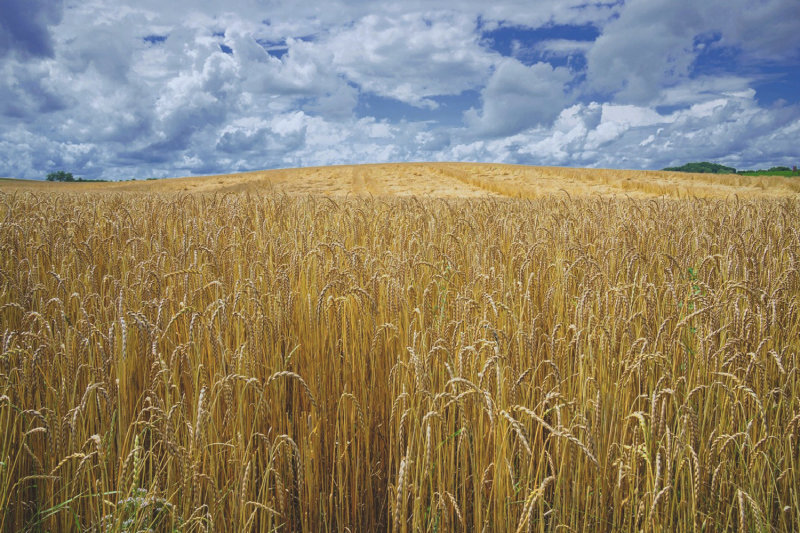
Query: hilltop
point(448, 180)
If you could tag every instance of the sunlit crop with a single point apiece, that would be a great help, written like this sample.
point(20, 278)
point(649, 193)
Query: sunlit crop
point(286, 363)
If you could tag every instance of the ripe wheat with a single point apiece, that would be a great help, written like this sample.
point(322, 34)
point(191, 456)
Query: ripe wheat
point(284, 363)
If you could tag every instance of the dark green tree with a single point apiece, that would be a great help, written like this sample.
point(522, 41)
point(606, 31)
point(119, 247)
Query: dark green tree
point(60, 176)
point(703, 167)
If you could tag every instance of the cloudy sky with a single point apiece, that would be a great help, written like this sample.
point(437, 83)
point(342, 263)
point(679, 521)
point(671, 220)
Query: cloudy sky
point(155, 88)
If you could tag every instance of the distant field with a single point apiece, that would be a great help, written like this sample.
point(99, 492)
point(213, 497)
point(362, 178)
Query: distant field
point(784, 173)
point(451, 180)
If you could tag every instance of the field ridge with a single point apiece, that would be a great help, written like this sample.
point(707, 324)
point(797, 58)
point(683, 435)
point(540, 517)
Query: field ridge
point(451, 180)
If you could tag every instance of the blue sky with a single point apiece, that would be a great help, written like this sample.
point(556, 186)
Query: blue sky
point(143, 89)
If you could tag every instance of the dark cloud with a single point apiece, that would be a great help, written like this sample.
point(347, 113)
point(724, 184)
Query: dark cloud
point(25, 26)
point(29, 91)
point(238, 141)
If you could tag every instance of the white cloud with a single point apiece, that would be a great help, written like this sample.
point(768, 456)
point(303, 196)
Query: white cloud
point(700, 89)
point(563, 47)
point(654, 44)
point(412, 57)
point(91, 95)
point(732, 130)
point(518, 97)
point(650, 45)
point(766, 30)
point(630, 115)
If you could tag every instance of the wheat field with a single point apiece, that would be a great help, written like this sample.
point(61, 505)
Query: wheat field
point(270, 361)
point(449, 180)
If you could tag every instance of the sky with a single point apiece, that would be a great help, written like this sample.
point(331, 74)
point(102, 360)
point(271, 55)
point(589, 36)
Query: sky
point(151, 89)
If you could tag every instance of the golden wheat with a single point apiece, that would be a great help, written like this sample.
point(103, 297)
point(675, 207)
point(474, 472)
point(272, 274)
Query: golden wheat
point(284, 363)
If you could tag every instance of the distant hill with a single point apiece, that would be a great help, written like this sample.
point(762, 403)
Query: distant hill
point(703, 168)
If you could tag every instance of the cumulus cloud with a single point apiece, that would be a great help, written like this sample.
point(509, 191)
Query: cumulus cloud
point(518, 97)
point(412, 57)
point(649, 46)
point(654, 44)
point(151, 89)
point(732, 129)
point(28, 90)
point(766, 31)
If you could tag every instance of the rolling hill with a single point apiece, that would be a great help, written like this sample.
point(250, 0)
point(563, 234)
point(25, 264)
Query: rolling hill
point(447, 180)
